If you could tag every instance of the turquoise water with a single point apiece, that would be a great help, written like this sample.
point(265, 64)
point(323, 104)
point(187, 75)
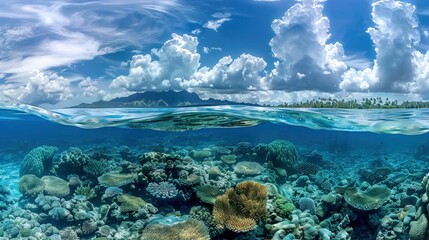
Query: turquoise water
point(131, 173)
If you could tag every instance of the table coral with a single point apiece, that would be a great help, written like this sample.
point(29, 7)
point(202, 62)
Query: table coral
point(372, 198)
point(56, 186)
point(115, 179)
point(208, 193)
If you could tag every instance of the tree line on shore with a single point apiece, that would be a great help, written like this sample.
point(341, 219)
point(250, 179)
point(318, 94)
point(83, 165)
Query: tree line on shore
point(366, 103)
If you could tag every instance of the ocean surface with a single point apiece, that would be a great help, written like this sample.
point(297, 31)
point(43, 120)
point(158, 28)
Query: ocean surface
point(218, 172)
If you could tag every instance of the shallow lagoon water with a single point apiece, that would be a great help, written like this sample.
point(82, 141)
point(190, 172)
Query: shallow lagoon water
point(336, 149)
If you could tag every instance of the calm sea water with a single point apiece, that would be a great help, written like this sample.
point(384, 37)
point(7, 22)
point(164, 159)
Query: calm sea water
point(348, 141)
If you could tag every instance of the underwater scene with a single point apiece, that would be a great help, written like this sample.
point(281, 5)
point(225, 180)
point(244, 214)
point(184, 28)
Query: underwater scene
point(214, 119)
point(223, 172)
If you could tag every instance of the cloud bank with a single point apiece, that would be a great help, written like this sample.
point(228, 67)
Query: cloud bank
point(307, 63)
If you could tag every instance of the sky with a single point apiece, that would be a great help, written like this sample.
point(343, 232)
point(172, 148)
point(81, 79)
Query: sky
point(61, 53)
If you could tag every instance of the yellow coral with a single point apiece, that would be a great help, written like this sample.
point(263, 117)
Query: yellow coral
point(191, 229)
point(239, 209)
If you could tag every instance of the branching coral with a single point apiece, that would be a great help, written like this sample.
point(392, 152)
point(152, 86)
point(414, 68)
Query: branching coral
point(72, 161)
point(164, 190)
point(191, 229)
point(239, 209)
point(96, 168)
point(86, 191)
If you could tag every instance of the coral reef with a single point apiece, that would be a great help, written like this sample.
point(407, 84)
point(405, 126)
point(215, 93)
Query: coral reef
point(115, 179)
point(239, 209)
point(208, 193)
point(248, 168)
point(31, 185)
point(217, 191)
point(38, 161)
point(372, 198)
point(85, 191)
point(55, 186)
point(164, 190)
point(282, 154)
point(191, 229)
point(204, 215)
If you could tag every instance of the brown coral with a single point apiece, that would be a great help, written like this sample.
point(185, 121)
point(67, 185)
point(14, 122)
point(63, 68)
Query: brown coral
point(191, 229)
point(239, 209)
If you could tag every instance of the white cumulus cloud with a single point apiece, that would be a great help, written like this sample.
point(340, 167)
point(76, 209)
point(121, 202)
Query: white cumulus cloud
point(176, 61)
point(300, 44)
point(41, 88)
point(242, 73)
point(398, 67)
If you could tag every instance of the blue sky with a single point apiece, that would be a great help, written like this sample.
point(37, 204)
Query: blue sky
point(61, 53)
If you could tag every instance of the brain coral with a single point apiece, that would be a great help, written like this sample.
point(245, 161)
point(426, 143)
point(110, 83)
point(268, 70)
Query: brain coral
point(372, 198)
point(191, 229)
point(38, 161)
point(239, 209)
point(248, 168)
point(31, 185)
point(114, 179)
point(282, 153)
point(55, 186)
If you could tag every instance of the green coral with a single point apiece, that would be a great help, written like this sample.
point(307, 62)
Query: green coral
point(30, 185)
point(283, 206)
point(38, 161)
point(282, 154)
point(86, 191)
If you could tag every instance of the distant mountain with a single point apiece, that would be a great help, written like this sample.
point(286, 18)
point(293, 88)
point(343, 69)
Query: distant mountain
point(158, 99)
